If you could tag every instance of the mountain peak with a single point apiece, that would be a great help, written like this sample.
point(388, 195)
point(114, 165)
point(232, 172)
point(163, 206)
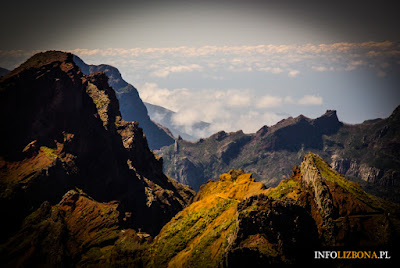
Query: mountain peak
point(45, 58)
point(63, 129)
point(130, 105)
point(396, 113)
point(235, 221)
point(42, 59)
point(328, 122)
point(330, 113)
point(262, 131)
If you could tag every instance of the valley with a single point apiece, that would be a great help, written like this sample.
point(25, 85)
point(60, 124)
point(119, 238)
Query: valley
point(82, 184)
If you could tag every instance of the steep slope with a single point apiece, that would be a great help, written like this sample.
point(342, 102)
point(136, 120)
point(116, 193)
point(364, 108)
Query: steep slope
point(62, 129)
point(165, 117)
point(268, 154)
point(232, 222)
point(3, 71)
point(367, 153)
point(191, 163)
point(345, 214)
point(77, 232)
point(131, 106)
point(236, 222)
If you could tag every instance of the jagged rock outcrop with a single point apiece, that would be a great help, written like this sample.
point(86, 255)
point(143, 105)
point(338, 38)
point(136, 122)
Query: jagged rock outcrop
point(63, 129)
point(77, 232)
point(192, 163)
point(236, 222)
point(344, 213)
point(363, 171)
point(367, 153)
point(232, 222)
point(312, 178)
point(256, 151)
point(286, 227)
point(294, 133)
point(131, 106)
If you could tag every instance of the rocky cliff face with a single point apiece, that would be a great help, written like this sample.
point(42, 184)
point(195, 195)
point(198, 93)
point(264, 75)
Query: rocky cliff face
point(193, 163)
point(312, 179)
point(232, 222)
point(367, 153)
point(363, 171)
point(62, 129)
point(131, 106)
point(235, 221)
point(77, 232)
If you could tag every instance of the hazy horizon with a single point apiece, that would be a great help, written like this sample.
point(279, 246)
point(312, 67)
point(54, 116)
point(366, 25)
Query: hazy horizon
point(234, 64)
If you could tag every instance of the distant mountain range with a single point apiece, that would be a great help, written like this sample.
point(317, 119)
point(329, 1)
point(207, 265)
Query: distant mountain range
point(80, 187)
point(131, 105)
point(165, 118)
point(368, 153)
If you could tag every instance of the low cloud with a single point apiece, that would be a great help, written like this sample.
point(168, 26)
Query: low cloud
point(229, 110)
point(310, 100)
point(272, 59)
point(227, 106)
point(164, 72)
point(273, 70)
point(293, 73)
point(319, 68)
point(269, 102)
point(353, 65)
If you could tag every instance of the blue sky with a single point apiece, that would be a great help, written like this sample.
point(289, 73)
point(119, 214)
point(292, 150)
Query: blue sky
point(235, 64)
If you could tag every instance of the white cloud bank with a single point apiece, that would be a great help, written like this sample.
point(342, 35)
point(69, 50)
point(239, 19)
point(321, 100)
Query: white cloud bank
point(228, 110)
point(274, 59)
point(232, 108)
point(164, 72)
point(310, 100)
point(293, 73)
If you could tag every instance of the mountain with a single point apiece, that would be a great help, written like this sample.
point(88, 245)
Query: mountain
point(237, 222)
point(368, 153)
point(164, 117)
point(62, 130)
point(232, 222)
point(76, 232)
point(3, 71)
point(131, 106)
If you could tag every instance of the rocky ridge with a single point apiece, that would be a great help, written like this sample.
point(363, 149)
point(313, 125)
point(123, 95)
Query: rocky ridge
point(236, 221)
point(367, 153)
point(77, 232)
point(131, 106)
point(63, 129)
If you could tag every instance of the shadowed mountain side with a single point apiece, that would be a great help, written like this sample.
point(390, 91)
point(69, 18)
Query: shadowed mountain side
point(131, 106)
point(367, 153)
point(63, 129)
point(232, 222)
point(76, 232)
point(3, 71)
point(236, 222)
